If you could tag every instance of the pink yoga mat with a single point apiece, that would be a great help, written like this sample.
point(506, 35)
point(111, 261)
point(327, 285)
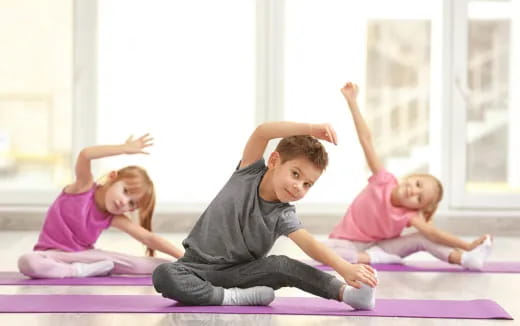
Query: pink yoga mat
point(15, 278)
point(439, 266)
point(75, 303)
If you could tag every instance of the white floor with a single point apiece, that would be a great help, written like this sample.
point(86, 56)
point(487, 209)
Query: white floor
point(503, 288)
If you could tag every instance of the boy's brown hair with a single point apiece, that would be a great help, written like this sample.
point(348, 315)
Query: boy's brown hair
point(303, 146)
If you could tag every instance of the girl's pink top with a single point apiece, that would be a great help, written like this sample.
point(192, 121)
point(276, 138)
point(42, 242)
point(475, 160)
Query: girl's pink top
point(73, 223)
point(371, 216)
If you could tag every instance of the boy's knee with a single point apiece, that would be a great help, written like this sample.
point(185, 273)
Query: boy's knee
point(179, 282)
point(162, 275)
point(276, 259)
point(165, 279)
point(281, 263)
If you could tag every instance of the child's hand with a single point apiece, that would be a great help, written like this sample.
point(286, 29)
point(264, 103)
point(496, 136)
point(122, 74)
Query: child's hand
point(479, 241)
point(357, 273)
point(136, 146)
point(350, 91)
point(325, 132)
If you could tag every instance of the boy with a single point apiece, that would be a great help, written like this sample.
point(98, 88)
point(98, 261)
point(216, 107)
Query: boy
point(225, 261)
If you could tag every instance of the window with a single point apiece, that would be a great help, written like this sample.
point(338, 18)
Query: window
point(438, 91)
point(487, 170)
point(186, 74)
point(35, 99)
point(388, 53)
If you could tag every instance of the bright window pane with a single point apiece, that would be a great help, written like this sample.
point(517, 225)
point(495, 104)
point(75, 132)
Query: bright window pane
point(35, 94)
point(491, 160)
point(383, 48)
point(183, 71)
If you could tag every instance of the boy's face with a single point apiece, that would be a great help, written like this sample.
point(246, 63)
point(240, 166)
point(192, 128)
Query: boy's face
point(292, 179)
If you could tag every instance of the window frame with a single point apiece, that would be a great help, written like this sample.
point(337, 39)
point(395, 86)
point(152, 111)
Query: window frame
point(83, 105)
point(456, 80)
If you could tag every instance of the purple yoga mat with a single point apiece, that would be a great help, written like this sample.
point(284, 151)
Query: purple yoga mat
point(15, 278)
point(440, 266)
point(75, 303)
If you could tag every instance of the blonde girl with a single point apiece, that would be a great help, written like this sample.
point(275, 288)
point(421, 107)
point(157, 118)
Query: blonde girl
point(370, 231)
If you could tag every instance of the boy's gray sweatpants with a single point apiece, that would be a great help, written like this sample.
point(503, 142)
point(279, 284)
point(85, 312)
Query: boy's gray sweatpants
point(198, 283)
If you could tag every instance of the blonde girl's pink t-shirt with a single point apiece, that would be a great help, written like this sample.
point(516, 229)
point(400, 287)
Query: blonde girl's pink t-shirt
point(73, 223)
point(371, 216)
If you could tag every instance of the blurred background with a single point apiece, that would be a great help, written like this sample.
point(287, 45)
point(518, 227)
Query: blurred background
point(437, 80)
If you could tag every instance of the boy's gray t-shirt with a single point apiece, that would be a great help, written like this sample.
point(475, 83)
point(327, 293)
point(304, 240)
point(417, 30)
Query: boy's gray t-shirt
point(238, 226)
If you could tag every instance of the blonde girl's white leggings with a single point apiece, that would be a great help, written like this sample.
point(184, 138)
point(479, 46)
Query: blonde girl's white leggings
point(58, 264)
point(402, 246)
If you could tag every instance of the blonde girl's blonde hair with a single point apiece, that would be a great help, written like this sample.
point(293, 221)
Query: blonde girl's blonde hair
point(139, 183)
point(430, 209)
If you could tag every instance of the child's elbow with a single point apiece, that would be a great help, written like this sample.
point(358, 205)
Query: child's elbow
point(149, 240)
point(431, 235)
point(84, 153)
point(261, 133)
point(261, 129)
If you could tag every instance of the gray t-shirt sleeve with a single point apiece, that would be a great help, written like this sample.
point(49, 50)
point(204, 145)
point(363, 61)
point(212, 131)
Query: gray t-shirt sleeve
point(288, 222)
point(253, 168)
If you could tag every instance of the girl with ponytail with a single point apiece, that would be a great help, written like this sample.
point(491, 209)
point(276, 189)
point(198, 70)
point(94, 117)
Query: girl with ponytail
point(85, 208)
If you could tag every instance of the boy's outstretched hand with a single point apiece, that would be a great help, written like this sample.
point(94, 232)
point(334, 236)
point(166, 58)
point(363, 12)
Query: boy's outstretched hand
point(354, 274)
point(325, 132)
point(136, 146)
point(350, 91)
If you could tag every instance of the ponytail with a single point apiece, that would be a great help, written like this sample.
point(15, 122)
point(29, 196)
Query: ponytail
point(429, 210)
point(145, 217)
point(139, 182)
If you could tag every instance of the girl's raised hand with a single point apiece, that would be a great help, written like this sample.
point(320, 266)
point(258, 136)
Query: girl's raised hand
point(136, 146)
point(324, 131)
point(350, 91)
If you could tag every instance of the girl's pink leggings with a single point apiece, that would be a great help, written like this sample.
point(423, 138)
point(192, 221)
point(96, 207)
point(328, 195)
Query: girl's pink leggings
point(401, 246)
point(58, 264)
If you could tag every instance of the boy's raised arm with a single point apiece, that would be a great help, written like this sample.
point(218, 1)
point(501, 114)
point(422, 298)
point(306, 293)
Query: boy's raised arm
point(258, 140)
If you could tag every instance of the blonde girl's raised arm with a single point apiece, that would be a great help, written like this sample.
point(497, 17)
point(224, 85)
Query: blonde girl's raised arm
point(350, 92)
